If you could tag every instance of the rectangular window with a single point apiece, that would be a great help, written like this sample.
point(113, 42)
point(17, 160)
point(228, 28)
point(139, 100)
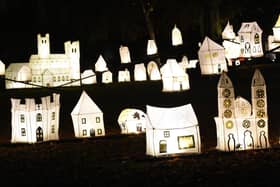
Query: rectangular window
point(139, 127)
point(84, 132)
point(99, 131)
point(39, 117)
point(162, 146)
point(52, 129)
point(23, 132)
point(54, 78)
point(186, 142)
point(84, 121)
point(97, 119)
point(166, 134)
point(22, 118)
point(53, 115)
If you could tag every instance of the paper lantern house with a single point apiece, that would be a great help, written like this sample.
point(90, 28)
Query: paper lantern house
point(176, 36)
point(153, 71)
point(124, 54)
point(152, 47)
point(187, 64)
point(35, 122)
point(100, 65)
point(212, 58)
point(107, 77)
point(250, 36)
point(174, 78)
point(19, 73)
point(228, 33)
point(87, 118)
point(173, 130)
point(132, 121)
point(140, 72)
point(240, 125)
point(88, 77)
point(48, 69)
point(124, 76)
point(2, 68)
point(274, 40)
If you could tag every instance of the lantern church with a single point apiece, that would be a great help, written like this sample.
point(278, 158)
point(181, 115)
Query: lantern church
point(45, 69)
point(240, 125)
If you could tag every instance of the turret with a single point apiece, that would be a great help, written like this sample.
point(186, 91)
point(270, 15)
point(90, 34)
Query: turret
point(43, 44)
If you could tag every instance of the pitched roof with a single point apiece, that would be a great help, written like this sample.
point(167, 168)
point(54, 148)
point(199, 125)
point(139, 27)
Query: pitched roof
point(209, 44)
point(85, 105)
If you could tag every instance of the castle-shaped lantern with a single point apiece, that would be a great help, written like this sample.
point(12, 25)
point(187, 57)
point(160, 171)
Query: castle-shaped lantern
point(240, 125)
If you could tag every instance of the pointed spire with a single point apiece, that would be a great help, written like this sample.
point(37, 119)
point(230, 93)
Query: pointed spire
point(224, 81)
point(257, 79)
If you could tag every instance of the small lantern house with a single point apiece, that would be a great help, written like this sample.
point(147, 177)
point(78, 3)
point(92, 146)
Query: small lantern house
point(132, 121)
point(107, 77)
point(87, 118)
point(101, 65)
point(124, 75)
point(274, 40)
point(35, 122)
point(240, 125)
point(250, 36)
point(153, 71)
point(140, 72)
point(124, 54)
point(228, 33)
point(172, 130)
point(176, 36)
point(212, 58)
point(151, 47)
point(88, 77)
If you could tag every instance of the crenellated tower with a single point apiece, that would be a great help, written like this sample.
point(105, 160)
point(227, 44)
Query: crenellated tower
point(72, 50)
point(43, 45)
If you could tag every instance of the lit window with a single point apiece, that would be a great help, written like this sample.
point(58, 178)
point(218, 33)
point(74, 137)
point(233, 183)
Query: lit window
point(186, 142)
point(84, 121)
point(53, 115)
point(52, 129)
point(22, 118)
point(54, 78)
point(23, 132)
point(84, 132)
point(99, 131)
point(139, 127)
point(39, 117)
point(166, 134)
point(162, 146)
point(97, 119)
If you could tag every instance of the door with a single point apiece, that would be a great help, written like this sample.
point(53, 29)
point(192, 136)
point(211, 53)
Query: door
point(39, 134)
point(92, 132)
point(47, 77)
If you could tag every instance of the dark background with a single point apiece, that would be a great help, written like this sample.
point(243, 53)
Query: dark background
point(102, 26)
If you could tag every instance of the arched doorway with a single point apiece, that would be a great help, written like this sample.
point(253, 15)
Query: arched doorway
point(39, 134)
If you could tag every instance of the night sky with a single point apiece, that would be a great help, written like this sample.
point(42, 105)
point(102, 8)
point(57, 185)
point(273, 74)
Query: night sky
point(101, 27)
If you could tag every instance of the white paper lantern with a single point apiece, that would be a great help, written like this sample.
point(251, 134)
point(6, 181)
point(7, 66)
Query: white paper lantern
point(276, 30)
point(151, 47)
point(153, 71)
point(88, 77)
point(124, 54)
point(2, 68)
point(124, 76)
point(176, 37)
point(101, 64)
point(107, 77)
point(228, 33)
point(140, 72)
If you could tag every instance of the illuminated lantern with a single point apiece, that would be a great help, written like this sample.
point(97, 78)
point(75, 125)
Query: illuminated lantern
point(51, 70)
point(174, 78)
point(187, 64)
point(17, 72)
point(132, 121)
point(88, 77)
point(153, 71)
point(87, 118)
point(228, 33)
point(212, 58)
point(238, 128)
point(33, 122)
point(276, 30)
point(107, 77)
point(171, 131)
point(124, 54)
point(2, 68)
point(140, 72)
point(124, 76)
point(176, 37)
point(151, 47)
point(100, 65)
point(232, 49)
point(250, 35)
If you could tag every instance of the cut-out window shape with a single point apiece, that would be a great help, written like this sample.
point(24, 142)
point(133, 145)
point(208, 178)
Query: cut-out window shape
point(227, 113)
point(162, 146)
point(260, 113)
point(139, 127)
point(22, 119)
point(84, 120)
point(99, 131)
point(166, 134)
point(53, 129)
point(227, 103)
point(261, 123)
point(260, 103)
point(246, 124)
point(53, 115)
point(97, 119)
point(23, 132)
point(229, 124)
point(39, 117)
point(186, 142)
point(84, 132)
point(257, 38)
point(226, 93)
point(260, 93)
point(136, 115)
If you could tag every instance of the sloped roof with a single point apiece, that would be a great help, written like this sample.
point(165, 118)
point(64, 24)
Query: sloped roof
point(224, 81)
point(101, 64)
point(250, 27)
point(16, 67)
point(208, 45)
point(85, 105)
point(228, 32)
point(257, 79)
point(172, 68)
point(172, 117)
point(277, 24)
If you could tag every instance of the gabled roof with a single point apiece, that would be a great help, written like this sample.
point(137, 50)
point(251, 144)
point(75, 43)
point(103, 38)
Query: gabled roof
point(85, 105)
point(277, 24)
point(228, 32)
point(224, 81)
point(16, 67)
point(257, 79)
point(208, 45)
point(171, 118)
point(172, 68)
point(100, 65)
point(250, 27)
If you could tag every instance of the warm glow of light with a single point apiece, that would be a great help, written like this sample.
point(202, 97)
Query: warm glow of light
point(124, 76)
point(153, 71)
point(228, 33)
point(276, 30)
point(176, 37)
point(91, 77)
point(100, 65)
point(151, 47)
point(124, 54)
point(2, 68)
point(140, 72)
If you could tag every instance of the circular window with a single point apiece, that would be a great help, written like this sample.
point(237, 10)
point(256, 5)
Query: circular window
point(260, 93)
point(246, 124)
point(229, 124)
point(260, 103)
point(227, 103)
point(226, 93)
point(260, 113)
point(261, 123)
point(227, 113)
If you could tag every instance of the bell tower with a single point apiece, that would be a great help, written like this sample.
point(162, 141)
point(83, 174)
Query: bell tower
point(43, 45)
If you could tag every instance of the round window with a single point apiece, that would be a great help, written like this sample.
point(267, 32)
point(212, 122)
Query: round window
point(261, 123)
point(227, 103)
point(226, 93)
point(229, 124)
point(227, 113)
point(246, 124)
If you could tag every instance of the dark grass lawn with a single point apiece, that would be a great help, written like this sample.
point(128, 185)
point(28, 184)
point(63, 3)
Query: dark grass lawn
point(116, 160)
